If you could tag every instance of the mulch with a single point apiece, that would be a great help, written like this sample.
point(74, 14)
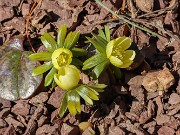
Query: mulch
point(126, 107)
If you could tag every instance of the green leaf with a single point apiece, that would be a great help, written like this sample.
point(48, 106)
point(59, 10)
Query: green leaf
point(41, 56)
point(101, 34)
point(67, 40)
point(16, 80)
point(78, 52)
point(71, 39)
point(98, 46)
point(76, 100)
point(101, 41)
point(62, 31)
point(107, 32)
point(63, 105)
point(73, 102)
point(98, 86)
point(43, 68)
point(92, 93)
point(50, 76)
point(53, 84)
point(116, 71)
point(76, 62)
point(81, 90)
point(94, 60)
point(98, 90)
point(49, 42)
point(100, 68)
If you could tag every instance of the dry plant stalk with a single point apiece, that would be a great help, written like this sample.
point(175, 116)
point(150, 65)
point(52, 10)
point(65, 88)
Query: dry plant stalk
point(33, 8)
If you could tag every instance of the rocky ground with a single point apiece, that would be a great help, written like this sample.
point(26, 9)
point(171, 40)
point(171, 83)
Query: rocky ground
point(132, 105)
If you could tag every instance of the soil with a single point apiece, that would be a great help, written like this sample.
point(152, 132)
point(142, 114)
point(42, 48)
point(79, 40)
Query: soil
point(145, 101)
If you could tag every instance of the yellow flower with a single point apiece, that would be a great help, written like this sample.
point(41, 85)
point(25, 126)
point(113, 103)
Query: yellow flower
point(61, 57)
point(116, 51)
point(67, 77)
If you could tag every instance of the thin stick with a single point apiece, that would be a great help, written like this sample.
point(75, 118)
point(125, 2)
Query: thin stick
point(160, 10)
point(169, 33)
point(33, 8)
point(20, 5)
point(127, 21)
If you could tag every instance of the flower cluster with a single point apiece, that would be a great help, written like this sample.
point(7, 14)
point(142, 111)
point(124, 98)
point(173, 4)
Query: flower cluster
point(61, 61)
point(58, 54)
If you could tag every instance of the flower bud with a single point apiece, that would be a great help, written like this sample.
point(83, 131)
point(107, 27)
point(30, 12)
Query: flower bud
point(67, 77)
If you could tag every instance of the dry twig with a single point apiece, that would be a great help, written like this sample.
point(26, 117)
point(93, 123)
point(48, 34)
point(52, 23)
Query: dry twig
point(33, 8)
point(160, 11)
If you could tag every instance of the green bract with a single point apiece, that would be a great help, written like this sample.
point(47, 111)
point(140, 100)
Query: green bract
point(68, 78)
point(71, 99)
point(112, 52)
point(59, 53)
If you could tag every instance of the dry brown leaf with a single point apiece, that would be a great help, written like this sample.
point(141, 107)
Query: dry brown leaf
point(158, 80)
point(145, 5)
point(84, 125)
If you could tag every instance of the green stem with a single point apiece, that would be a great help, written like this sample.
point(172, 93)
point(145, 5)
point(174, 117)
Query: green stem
point(126, 20)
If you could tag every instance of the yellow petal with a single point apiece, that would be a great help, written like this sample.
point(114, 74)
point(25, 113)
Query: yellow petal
point(54, 59)
point(68, 81)
point(61, 52)
point(123, 42)
point(128, 55)
point(126, 64)
point(115, 61)
point(67, 77)
point(71, 69)
point(56, 79)
point(61, 71)
point(109, 48)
